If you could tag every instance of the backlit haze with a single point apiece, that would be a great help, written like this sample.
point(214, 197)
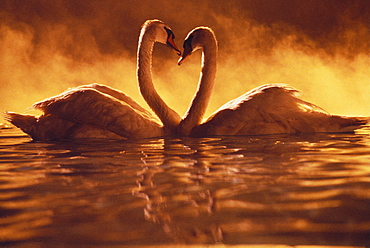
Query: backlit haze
point(319, 47)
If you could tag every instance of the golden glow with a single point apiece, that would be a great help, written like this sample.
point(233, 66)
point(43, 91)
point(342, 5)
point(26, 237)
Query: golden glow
point(82, 45)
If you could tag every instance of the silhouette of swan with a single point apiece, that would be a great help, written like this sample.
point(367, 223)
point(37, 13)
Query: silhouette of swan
point(98, 111)
point(267, 109)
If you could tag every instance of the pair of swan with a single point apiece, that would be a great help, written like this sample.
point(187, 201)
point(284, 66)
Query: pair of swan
point(98, 111)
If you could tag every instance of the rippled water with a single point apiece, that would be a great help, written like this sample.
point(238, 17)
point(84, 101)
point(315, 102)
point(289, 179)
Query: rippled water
point(276, 189)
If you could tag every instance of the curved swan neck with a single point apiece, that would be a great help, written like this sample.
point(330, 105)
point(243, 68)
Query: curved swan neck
point(195, 113)
point(169, 117)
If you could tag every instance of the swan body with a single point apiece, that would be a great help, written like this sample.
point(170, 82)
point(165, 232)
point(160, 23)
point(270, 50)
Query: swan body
point(74, 114)
point(268, 109)
point(98, 111)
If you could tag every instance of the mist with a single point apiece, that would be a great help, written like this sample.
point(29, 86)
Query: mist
point(319, 47)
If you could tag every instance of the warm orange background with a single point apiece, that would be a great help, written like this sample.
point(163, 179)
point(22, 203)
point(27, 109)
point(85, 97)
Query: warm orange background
point(320, 47)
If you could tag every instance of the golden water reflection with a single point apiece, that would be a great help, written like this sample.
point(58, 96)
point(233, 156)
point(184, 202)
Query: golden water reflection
point(219, 201)
point(310, 190)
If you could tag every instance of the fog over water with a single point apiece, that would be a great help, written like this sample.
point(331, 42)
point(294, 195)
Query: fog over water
point(320, 47)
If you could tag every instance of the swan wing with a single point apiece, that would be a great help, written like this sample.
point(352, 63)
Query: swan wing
point(89, 106)
point(119, 95)
point(271, 109)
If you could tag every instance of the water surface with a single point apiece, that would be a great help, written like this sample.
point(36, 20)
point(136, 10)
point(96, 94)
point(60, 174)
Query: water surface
point(276, 189)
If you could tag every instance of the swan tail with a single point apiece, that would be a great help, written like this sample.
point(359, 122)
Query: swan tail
point(349, 124)
point(43, 128)
point(27, 123)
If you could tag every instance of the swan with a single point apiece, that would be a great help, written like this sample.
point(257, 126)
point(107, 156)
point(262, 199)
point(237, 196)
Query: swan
point(268, 109)
point(99, 111)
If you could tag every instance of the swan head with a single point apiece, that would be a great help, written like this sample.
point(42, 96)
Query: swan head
point(197, 39)
point(161, 33)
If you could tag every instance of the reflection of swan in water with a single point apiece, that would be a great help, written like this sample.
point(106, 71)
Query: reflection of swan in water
point(99, 111)
point(267, 109)
point(180, 205)
point(247, 189)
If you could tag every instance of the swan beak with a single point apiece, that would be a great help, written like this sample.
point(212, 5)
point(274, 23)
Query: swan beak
point(180, 60)
point(187, 51)
point(171, 43)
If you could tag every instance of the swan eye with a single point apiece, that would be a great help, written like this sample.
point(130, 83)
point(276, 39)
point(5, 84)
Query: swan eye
point(188, 43)
point(170, 40)
point(169, 32)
